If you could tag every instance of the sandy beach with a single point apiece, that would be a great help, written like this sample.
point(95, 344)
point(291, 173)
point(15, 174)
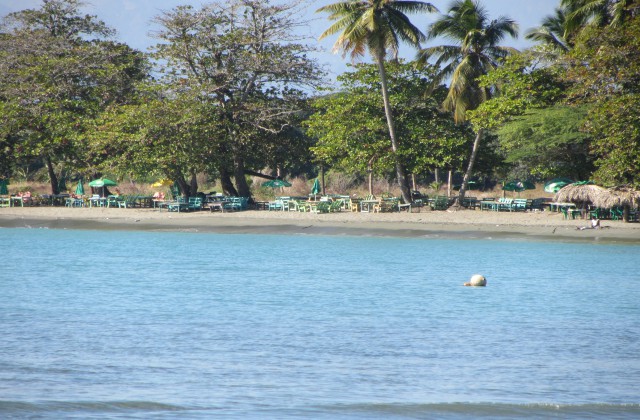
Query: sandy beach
point(472, 224)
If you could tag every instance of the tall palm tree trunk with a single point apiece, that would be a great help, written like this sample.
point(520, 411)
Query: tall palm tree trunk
point(472, 160)
point(400, 169)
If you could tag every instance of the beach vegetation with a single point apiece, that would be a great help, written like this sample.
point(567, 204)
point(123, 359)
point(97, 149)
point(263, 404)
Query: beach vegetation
point(377, 27)
point(59, 71)
point(243, 61)
point(230, 97)
point(474, 51)
point(352, 132)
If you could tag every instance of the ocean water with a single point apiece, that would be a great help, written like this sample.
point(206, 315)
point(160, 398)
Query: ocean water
point(136, 325)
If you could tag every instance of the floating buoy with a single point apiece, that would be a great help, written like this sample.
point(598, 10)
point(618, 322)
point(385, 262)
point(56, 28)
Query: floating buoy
point(477, 280)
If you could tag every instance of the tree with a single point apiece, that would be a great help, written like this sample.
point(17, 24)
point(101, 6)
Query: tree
point(55, 80)
point(610, 86)
point(475, 53)
point(554, 31)
point(352, 131)
point(537, 130)
point(164, 134)
point(549, 142)
point(599, 13)
point(244, 60)
point(378, 26)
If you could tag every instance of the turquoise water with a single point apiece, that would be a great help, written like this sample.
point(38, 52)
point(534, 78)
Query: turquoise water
point(131, 325)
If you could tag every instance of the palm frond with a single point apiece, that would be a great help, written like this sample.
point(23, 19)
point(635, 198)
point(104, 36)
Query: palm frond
point(499, 29)
point(401, 25)
point(546, 37)
point(414, 7)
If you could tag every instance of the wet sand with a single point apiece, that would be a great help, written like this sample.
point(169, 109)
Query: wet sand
point(474, 224)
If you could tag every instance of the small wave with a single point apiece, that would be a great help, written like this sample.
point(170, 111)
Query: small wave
point(86, 406)
point(490, 410)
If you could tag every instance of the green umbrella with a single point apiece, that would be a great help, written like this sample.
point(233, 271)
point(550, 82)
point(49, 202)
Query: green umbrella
point(513, 186)
point(80, 188)
point(316, 187)
point(554, 185)
point(276, 183)
point(3, 187)
point(518, 186)
point(101, 183)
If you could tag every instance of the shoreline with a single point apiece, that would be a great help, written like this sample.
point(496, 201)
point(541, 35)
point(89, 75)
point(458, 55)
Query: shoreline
point(463, 224)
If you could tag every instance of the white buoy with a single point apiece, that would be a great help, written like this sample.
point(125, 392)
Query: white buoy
point(477, 280)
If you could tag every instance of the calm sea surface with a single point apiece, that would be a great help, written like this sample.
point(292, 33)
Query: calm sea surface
point(133, 325)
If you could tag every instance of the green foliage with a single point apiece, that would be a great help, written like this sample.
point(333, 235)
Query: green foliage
point(521, 83)
point(351, 128)
point(474, 52)
point(247, 66)
point(548, 142)
point(613, 57)
point(610, 83)
point(168, 137)
point(615, 124)
point(55, 81)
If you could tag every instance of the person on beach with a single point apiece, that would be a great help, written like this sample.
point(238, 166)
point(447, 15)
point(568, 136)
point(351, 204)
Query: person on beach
point(595, 224)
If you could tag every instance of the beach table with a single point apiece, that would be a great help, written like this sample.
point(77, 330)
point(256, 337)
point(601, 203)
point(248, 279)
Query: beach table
point(97, 202)
point(56, 199)
point(487, 204)
point(261, 205)
point(15, 200)
point(367, 206)
point(557, 206)
point(215, 206)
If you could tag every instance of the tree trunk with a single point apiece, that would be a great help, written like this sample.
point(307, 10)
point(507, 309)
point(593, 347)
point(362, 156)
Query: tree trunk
point(184, 187)
point(400, 169)
point(472, 160)
point(449, 178)
point(625, 213)
point(193, 188)
point(225, 181)
point(53, 179)
point(370, 182)
point(241, 179)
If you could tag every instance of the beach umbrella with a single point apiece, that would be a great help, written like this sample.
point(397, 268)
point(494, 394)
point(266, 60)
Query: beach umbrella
point(512, 186)
point(315, 189)
point(518, 186)
point(3, 187)
point(554, 185)
point(80, 188)
point(101, 183)
point(276, 183)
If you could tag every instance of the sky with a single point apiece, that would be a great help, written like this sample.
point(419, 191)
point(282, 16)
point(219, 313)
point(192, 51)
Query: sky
point(132, 21)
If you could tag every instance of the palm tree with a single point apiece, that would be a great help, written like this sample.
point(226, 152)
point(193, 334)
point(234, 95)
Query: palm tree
point(599, 12)
point(377, 26)
point(475, 52)
point(554, 31)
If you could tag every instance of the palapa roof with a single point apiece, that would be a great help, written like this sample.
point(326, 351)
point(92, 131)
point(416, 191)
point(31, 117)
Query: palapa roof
point(620, 196)
point(598, 196)
point(581, 193)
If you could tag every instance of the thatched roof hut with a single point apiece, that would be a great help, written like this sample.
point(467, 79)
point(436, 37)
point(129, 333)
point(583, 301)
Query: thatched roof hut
point(582, 194)
point(620, 197)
